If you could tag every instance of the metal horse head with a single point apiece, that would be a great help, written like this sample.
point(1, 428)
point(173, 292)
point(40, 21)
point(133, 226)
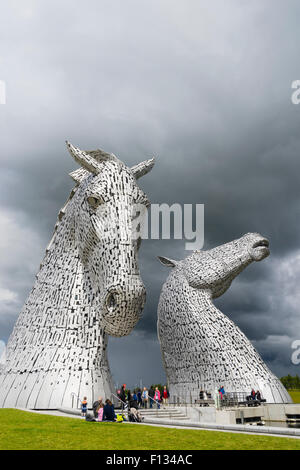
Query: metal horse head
point(104, 211)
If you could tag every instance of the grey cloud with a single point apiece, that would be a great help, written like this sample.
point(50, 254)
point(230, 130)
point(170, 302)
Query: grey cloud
point(205, 87)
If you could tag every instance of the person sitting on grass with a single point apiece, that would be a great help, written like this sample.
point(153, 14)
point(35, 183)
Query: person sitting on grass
point(84, 407)
point(96, 405)
point(100, 411)
point(109, 411)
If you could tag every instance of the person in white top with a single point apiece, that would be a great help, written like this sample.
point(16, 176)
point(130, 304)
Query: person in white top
point(145, 397)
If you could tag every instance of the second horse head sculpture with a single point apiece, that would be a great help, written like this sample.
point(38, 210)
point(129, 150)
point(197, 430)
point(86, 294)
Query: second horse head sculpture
point(201, 347)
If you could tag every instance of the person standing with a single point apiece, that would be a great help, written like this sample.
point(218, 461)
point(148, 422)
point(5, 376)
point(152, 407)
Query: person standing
point(122, 396)
point(151, 395)
point(139, 397)
point(165, 396)
point(145, 397)
point(221, 392)
point(84, 407)
point(157, 397)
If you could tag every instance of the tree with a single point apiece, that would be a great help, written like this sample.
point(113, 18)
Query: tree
point(290, 382)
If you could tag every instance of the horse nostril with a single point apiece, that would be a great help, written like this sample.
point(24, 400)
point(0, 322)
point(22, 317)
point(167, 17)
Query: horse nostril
point(111, 301)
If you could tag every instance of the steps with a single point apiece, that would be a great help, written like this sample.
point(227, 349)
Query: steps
point(164, 413)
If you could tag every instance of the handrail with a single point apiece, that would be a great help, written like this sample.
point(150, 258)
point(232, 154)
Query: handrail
point(126, 407)
point(156, 401)
point(236, 399)
point(73, 394)
point(183, 400)
point(118, 398)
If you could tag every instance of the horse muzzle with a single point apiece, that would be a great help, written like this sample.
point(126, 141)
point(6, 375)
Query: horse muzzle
point(122, 307)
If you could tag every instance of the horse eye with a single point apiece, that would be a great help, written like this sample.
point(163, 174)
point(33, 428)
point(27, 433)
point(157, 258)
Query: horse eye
point(94, 202)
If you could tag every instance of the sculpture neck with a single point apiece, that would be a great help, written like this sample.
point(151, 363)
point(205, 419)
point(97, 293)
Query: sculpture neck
point(62, 276)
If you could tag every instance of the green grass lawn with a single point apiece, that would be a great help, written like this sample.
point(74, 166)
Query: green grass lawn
point(25, 430)
point(295, 394)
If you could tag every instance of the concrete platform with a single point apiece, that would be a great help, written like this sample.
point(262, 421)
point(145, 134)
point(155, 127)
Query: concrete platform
point(252, 429)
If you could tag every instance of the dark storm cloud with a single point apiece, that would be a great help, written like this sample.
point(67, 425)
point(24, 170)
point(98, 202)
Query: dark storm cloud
point(204, 86)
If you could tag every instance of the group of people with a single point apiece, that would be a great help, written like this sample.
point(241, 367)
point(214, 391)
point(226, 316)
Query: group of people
point(254, 395)
point(141, 398)
point(102, 411)
point(105, 411)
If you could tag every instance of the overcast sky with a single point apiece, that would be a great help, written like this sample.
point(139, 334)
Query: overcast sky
point(205, 86)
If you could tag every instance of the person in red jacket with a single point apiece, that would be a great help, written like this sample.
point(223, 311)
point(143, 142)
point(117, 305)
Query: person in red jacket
point(165, 397)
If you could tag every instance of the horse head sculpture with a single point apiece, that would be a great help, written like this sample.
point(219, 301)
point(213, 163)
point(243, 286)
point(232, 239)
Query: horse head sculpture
point(88, 287)
point(201, 347)
point(106, 204)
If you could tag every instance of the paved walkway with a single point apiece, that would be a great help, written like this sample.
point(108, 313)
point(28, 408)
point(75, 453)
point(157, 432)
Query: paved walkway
point(51, 413)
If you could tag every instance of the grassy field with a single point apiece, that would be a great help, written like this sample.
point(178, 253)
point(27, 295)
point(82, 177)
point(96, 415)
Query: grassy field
point(25, 430)
point(295, 394)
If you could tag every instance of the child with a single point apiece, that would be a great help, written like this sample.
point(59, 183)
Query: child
point(100, 411)
point(84, 407)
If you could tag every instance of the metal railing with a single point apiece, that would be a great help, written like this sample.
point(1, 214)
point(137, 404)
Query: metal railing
point(236, 399)
point(126, 406)
point(179, 401)
point(73, 394)
point(229, 399)
point(157, 403)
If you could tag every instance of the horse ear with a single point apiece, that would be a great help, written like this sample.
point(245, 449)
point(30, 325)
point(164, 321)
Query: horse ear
point(142, 168)
point(167, 261)
point(101, 156)
point(79, 175)
point(84, 159)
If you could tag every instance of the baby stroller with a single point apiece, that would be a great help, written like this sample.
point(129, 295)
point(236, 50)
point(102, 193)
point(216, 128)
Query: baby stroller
point(134, 416)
